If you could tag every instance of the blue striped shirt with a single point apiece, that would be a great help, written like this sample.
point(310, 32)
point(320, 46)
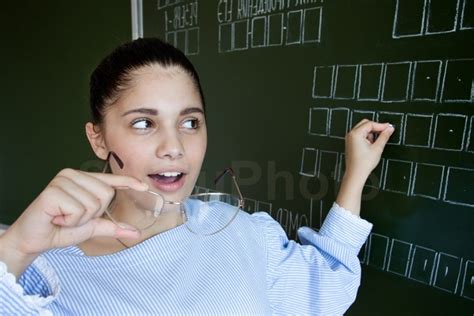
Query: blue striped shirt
point(249, 268)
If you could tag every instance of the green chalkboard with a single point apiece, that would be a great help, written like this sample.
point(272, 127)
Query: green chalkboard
point(285, 80)
point(49, 48)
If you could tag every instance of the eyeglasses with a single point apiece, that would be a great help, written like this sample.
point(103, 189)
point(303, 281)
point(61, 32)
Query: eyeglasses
point(202, 214)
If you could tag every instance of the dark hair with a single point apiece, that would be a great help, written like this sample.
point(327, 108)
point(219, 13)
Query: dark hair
point(113, 74)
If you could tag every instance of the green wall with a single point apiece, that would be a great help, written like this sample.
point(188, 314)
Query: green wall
point(48, 50)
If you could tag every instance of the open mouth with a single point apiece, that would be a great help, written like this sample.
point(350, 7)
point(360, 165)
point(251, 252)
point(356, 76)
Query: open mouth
point(167, 177)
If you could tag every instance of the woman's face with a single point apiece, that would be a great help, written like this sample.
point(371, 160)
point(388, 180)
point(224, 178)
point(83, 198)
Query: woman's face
point(157, 128)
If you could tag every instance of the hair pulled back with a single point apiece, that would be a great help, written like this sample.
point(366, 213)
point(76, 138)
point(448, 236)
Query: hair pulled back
point(114, 73)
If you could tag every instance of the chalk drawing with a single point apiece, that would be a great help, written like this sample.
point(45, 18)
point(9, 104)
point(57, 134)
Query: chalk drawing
point(259, 32)
point(399, 257)
point(312, 21)
point(378, 248)
point(448, 272)
point(359, 115)
point(467, 15)
point(318, 121)
point(332, 157)
point(409, 18)
point(467, 290)
point(339, 119)
point(346, 82)
point(426, 80)
point(398, 176)
point(470, 137)
point(275, 28)
point(396, 82)
point(397, 119)
point(430, 182)
point(309, 159)
point(453, 194)
point(458, 81)
point(370, 81)
point(417, 130)
point(449, 131)
point(294, 27)
point(323, 82)
point(376, 177)
point(422, 265)
point(438, 20)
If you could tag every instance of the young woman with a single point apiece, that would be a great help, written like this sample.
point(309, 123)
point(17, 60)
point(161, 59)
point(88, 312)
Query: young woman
point(63, 256)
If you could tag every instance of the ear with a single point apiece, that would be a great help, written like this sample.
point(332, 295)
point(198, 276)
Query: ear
point(97, 141)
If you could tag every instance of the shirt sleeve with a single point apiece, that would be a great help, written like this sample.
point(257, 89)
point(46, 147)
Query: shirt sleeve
point(37, 287)
point(321, 275)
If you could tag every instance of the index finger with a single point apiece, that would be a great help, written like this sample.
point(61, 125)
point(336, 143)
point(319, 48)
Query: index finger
point(119, 181)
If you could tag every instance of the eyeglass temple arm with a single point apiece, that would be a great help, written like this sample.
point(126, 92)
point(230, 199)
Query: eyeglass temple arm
point(107, 161)
point(231, 171)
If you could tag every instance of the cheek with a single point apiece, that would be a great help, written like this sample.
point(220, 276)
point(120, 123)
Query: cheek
point(196, 150)
point(132, 155)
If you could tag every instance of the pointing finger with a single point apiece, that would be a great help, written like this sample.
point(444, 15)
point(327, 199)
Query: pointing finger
point(118, 181)
point(88, 178)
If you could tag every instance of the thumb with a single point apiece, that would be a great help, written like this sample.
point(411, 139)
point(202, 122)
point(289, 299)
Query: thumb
point(105, 228)
point(383, 137)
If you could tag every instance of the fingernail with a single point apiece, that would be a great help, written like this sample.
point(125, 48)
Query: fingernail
point(391, 126)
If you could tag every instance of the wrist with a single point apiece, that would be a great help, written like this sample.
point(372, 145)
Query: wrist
point(16, 260)
point(350, 193)
point(356, 180)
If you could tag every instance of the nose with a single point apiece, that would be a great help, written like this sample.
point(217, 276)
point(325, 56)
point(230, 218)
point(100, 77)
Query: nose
point(170, 147)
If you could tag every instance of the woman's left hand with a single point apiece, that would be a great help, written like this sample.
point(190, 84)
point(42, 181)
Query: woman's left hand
point(364, 146)
point(363, 152)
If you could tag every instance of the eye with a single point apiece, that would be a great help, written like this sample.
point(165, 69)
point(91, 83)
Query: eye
point(142, 124)
point(191, 124)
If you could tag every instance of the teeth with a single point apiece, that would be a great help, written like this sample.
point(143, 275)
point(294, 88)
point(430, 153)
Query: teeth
point(170, 174)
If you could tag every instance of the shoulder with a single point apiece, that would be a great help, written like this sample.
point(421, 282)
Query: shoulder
point(265, 222)
point(259, 220)
point(261, 224)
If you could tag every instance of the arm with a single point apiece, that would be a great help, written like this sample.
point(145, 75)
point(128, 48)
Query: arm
point(362, 156)
point(12, 257)
point(67, 212)
point(322, 275)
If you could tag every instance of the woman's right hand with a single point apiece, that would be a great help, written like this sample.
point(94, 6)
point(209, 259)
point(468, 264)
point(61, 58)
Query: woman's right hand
point(68, 211)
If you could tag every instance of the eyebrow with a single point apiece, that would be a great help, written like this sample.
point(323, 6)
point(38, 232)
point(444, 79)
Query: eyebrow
point(150, 111)
point(142, 110)
point(191, 110)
